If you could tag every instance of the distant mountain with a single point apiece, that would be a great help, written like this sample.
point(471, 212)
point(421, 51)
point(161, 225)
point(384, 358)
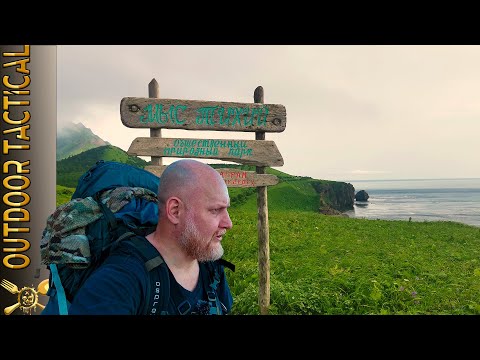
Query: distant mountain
point(75, 138)
point(70, 169)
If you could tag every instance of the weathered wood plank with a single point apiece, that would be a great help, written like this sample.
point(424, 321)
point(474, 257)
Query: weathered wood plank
point(243, 178)
point(202, 115)
point(156, 169)
point(232, 177)
point(248, 152)
point(262, 227)
point(154, 92)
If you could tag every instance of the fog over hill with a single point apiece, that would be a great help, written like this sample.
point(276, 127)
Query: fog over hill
point(75, 138)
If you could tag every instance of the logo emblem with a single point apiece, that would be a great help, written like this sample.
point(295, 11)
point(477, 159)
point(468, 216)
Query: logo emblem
point(27, 297)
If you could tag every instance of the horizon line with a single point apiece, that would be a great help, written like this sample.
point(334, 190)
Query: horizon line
point(415, 179)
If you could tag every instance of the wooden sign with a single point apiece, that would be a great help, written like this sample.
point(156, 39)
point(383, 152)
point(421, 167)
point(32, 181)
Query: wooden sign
point(248, 152)
point(243, 178)
point(202, 115)
point(232, 177)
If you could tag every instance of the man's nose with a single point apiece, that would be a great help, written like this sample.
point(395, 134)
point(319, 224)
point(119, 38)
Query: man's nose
point(227, 222)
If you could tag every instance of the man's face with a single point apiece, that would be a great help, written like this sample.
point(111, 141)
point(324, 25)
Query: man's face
point(206, 221)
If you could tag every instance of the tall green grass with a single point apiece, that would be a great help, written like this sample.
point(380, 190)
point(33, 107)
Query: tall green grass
point(64, 194)
point(323, 264)
point(334, 265)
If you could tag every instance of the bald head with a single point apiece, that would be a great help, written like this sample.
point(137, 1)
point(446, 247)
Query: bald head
point(184, 177)
point(192, 211)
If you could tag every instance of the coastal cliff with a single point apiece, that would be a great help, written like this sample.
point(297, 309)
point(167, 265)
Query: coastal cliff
point(334, 197)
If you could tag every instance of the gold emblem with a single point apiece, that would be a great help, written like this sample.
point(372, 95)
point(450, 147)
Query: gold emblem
point(27, 297)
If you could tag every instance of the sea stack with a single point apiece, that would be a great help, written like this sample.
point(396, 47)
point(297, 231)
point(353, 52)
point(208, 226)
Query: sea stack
point(361, 195)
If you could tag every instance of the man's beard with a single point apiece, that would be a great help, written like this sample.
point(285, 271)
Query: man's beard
point(196, 246)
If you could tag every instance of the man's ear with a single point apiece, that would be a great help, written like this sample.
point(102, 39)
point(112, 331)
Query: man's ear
point(173, 208)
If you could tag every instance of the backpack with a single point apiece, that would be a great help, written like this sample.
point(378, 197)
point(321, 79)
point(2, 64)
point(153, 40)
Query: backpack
point(112, 202)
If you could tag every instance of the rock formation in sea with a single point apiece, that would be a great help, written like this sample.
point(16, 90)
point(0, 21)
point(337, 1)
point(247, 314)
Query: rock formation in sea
point(361, 195)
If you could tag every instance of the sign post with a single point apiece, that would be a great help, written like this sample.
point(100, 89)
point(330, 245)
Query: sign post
point(154, 92)
point(263, 228)
point(155, 113)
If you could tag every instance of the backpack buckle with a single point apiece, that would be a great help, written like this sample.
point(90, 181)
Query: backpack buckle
point(211, 296)
point(184, 307)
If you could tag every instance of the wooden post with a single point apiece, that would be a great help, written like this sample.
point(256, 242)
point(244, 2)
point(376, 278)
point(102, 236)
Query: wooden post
point(154, 92)
point(262, 226)
point(221, 116)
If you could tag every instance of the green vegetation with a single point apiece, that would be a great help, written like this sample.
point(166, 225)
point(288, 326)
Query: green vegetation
point(64, 194)
point(294, 196)
point(70, 169)
point(322, 264)
point(335, 265)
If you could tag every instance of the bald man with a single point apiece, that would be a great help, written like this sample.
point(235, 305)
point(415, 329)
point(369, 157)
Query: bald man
point(193, 217)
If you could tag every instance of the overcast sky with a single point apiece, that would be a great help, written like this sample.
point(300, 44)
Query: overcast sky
point(353, 112)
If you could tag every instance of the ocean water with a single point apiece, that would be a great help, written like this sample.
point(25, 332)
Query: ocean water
point(421, 200)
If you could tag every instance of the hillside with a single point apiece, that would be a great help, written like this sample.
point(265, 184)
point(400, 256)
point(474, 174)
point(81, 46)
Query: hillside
point(291, 193)
point(298, 194)
point(78, 149)
point(69, 170)
point(75, 138)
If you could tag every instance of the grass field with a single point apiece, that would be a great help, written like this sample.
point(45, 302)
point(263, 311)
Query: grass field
point(335, 265)
point(323, 264)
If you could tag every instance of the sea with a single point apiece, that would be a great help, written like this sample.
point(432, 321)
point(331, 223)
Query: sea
point(419, 200)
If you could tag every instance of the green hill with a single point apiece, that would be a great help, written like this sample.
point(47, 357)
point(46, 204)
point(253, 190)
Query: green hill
point(291, 193)
point(73, 139)
point(70, 169)
point(301, 193)
point(286, 195)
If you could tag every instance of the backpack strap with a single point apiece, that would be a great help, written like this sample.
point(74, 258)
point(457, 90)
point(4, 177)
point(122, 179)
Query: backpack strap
point(156, 298)
point(226, 263)
point(216, 306)
point(117, 232)
point(107, 213)
point(61, 297)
